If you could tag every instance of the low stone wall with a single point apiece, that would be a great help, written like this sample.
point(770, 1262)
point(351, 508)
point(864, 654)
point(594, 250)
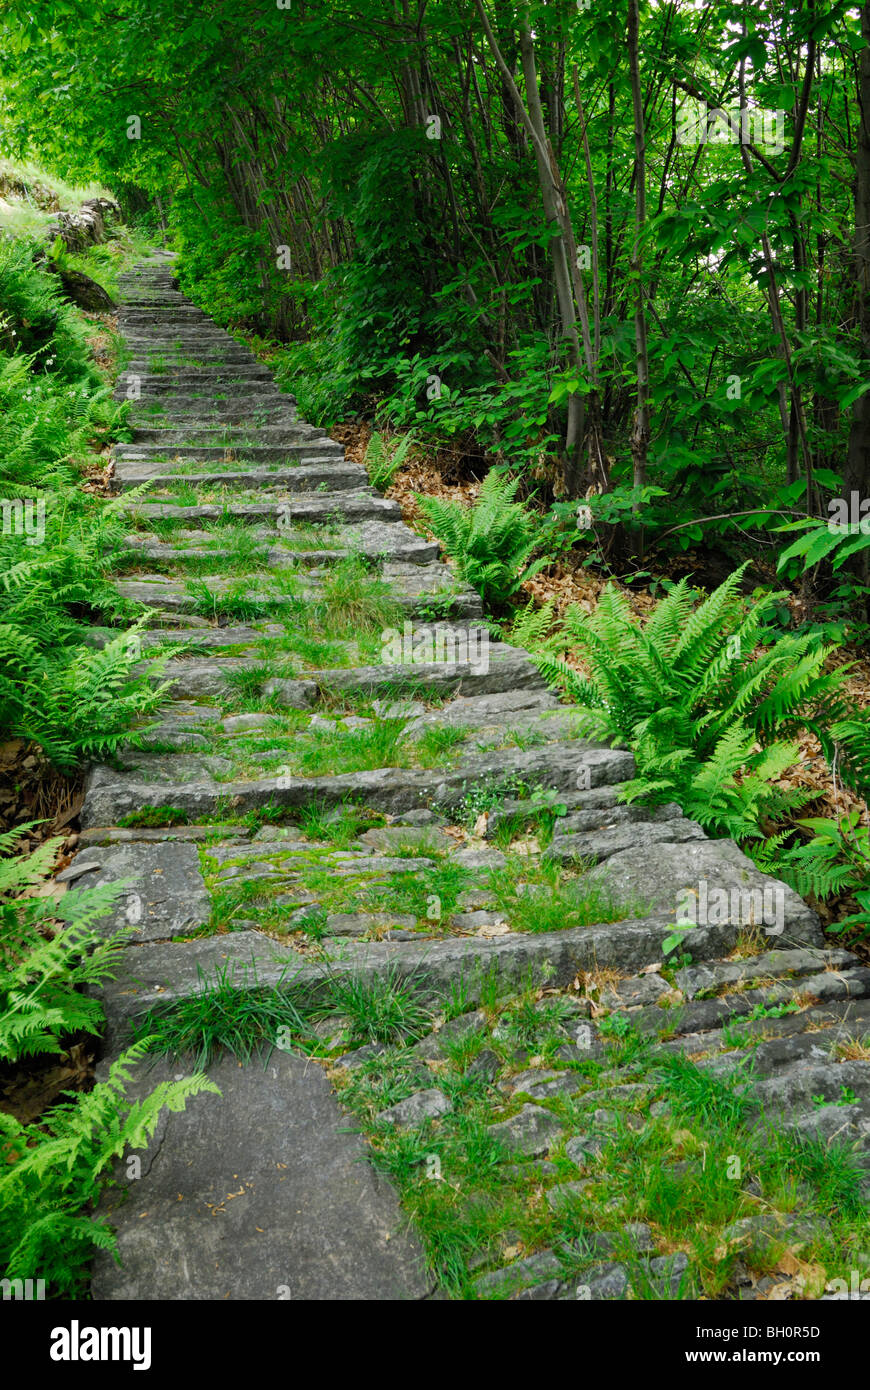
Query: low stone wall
point(87, 227)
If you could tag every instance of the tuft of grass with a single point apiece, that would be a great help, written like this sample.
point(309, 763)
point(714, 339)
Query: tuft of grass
point(154, 818)
point(231, 1013)
point(384, 1009)
point(559, 902)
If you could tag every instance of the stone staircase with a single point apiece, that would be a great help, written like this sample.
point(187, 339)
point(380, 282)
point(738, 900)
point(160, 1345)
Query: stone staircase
point(255, 532)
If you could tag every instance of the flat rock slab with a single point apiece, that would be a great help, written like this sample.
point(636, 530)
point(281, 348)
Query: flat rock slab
point(164, 896)
point(155, 973)
point(603, 844)
point(259, 1193)
point(661, 874)
point(532, 1131)
point(110, 794)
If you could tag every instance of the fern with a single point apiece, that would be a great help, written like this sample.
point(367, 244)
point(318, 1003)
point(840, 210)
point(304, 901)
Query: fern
point(50, 1171)
point(706, 698)
point(492, 542)
point(55, 689)
point(836, 860)
point(383, 463)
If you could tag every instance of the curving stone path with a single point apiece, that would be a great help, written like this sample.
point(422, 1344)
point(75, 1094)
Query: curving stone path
point(331, 794)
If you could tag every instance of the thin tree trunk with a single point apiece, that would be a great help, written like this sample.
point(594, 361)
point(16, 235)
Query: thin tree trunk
point(640, 434)
point(856, 474)
point(555, 211)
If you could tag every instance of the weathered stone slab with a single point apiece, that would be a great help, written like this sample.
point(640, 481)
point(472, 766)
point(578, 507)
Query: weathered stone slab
point(359, 923)
point(259, 1193)
point(417, 1109)
point(165, 894)
point(532, 1131)
point(110, 795)
point(636, 837)
point(662, 875)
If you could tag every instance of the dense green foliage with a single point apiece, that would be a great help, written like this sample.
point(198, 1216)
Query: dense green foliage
point(57, 544)
point(362, 184)
point(52, 1170)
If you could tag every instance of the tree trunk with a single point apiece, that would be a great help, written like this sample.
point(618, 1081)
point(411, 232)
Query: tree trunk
point(640, 433)
point(856, 474)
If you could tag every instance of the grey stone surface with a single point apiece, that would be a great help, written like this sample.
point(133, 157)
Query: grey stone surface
point(435, 966)
point(426, 838)
point(660, 877)
point(474, 921)
point(583, 1149)
point(532, 1131)
point(535, 1269)
point(243, 723)
point(164, 893)
point(695, 979)
point(259, 1193)
point(634, 837)
point(110, 794)
point(417, 1109)
point(637, 990)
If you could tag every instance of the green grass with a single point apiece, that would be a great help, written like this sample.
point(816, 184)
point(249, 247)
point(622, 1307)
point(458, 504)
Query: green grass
point(233, 1013)
point(560, 903)
point(155, 818)
point(338, 826)
point(467, 1202)
point(230, 1013)
point(384, 1009)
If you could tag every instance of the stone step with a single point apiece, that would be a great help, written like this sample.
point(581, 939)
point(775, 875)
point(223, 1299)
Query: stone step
point(311, 1220)
point(313, 471)
point(210, 415)
point(812, 1029)
point(695, 980)
point(203, 355)
point(208, 409)
point(230, 437)
point(172, 329)
point(414, 591)
point(165, 971)
point(413, 549)
point(353, 507)
point(183, 333)
point(161, 453)
point(506, 669)
point(160, 300)
point(111, 795)
point(230, 636)
point(213, 377)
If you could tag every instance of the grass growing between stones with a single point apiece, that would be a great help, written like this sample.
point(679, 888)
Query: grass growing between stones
point(548, 899)
point(234, 1013)
point(222, 1017)
point(677, 1189)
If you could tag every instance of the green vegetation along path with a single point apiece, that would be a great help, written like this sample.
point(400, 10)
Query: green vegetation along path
point(355, 795)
